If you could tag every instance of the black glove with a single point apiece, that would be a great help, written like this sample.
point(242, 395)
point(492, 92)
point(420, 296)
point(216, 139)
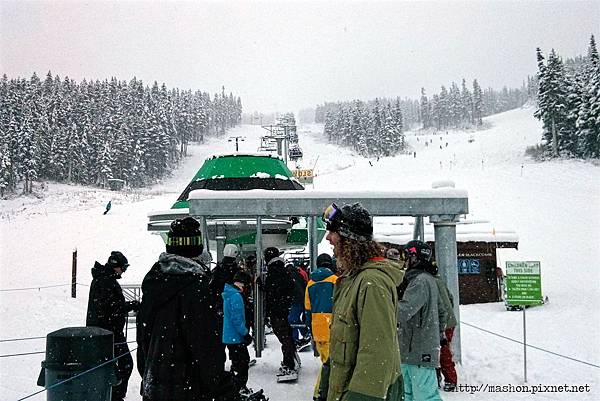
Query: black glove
point(443, 339)
point(247, 339)
point(132, 306)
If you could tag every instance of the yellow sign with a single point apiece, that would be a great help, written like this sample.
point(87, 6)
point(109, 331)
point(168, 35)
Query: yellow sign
point(303, 173)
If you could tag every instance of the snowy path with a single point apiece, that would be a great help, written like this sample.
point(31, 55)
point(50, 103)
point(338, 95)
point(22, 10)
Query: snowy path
point(554, 207)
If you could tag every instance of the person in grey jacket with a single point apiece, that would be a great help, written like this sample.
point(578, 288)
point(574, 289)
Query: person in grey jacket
point(421, 325)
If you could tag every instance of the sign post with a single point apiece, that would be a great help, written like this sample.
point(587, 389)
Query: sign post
point(523, 288)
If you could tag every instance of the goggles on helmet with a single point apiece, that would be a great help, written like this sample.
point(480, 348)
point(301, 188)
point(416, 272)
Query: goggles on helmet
point(332, 216)
point(411, 250)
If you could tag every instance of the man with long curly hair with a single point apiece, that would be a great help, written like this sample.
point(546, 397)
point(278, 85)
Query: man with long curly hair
point(364, 361)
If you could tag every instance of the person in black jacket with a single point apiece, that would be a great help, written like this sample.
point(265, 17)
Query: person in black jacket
point(279, 287)
point(178, 328)
point(107, 309)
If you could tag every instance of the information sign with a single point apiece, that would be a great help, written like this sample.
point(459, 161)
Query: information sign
point(523, 283)
point(305, 176)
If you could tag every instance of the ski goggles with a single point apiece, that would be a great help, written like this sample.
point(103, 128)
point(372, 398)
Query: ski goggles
point(411, 250)
point(332, 216)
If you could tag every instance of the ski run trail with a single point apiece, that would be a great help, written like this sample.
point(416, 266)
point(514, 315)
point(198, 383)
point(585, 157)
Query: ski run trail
point(554, 207)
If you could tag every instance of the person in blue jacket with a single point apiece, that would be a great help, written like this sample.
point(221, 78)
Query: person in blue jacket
point(235, 332)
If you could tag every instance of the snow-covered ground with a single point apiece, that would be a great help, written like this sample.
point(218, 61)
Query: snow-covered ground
point(553, 206)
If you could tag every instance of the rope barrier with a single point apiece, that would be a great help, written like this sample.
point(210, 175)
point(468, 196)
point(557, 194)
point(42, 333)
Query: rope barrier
point(34, 288)
point(40, 337)
point(25, 353)
point(41, 287)
point(21, 339)
point(529, 345)
point(76, 376)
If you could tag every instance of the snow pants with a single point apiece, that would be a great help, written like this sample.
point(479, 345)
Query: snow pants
point(296, 317)
point(420, 383)
point(323, 350)
point(446, 363)
point(123, 370)
point(240, 358)
point(283, 332)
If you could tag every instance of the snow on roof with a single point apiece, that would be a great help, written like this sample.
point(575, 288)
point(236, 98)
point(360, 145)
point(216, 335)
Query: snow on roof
point(466, 230)
point(309, 194)
point(250, 154)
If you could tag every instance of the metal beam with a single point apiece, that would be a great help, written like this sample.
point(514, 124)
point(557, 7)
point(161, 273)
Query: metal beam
point(213, 204)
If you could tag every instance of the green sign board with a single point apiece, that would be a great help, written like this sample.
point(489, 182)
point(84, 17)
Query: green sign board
point(523, 283)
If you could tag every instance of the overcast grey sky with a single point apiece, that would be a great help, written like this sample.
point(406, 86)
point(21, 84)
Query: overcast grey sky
point(290, 55)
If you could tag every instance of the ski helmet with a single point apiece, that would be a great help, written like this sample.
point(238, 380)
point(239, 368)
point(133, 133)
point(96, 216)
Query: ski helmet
point(420, 250)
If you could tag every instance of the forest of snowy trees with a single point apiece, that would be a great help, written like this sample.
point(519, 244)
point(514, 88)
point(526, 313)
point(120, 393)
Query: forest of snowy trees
point(93, 131)
point(463, 107)
point(375, 128)
point(372, 129)
point(569, 104)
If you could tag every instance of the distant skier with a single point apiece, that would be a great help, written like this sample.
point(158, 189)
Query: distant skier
point(108, 206)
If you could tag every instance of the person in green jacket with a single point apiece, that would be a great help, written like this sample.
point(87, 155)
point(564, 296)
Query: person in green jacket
point(364, 362)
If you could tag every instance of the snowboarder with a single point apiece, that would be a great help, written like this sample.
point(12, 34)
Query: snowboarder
point(420, 324)
point(364, 356)
point(107, 309)
point(319, 304)
point(178, 328)
point(278, 287)
point(108, 206)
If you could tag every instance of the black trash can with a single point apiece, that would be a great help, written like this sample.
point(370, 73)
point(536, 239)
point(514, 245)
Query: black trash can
point(72, 351)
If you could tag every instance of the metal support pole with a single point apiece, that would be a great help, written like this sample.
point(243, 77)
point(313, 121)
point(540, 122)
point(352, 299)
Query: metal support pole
point(312, 241)
point(74, 275)
point(285, 144)
point(446, 255)
point(259, 321)
point(279, 146)
point(419, 231)
point(524, 345)
point(220, 239)
point(204, 229)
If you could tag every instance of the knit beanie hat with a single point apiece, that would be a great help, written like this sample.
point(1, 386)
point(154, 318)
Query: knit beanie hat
point(185, 238)
point(242, 277)
point(231, 251)
point(270, 253)
point(352, 221)
point(324, 260)
point(393, 254)
point(117, 259)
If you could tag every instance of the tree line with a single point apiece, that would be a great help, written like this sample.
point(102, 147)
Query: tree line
point(90, 132)
point(465, 107)
point(370, 128)
point(569, 104)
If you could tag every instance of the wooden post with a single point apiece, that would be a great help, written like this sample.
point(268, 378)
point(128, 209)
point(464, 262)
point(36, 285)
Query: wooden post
point(74, 275)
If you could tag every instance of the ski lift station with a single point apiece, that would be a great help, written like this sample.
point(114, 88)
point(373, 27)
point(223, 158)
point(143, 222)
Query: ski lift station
point(443, 207)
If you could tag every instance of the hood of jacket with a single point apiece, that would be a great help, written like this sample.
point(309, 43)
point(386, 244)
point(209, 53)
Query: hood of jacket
point(390, 268)
point(321, 274)
point(169, 276)
point(230, 290)
point(412, 273)
point(100, 270)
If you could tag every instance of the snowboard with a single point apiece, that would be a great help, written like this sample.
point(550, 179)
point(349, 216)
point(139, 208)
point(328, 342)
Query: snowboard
point(257, 396)
point(303, 347)
point(291, 377)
